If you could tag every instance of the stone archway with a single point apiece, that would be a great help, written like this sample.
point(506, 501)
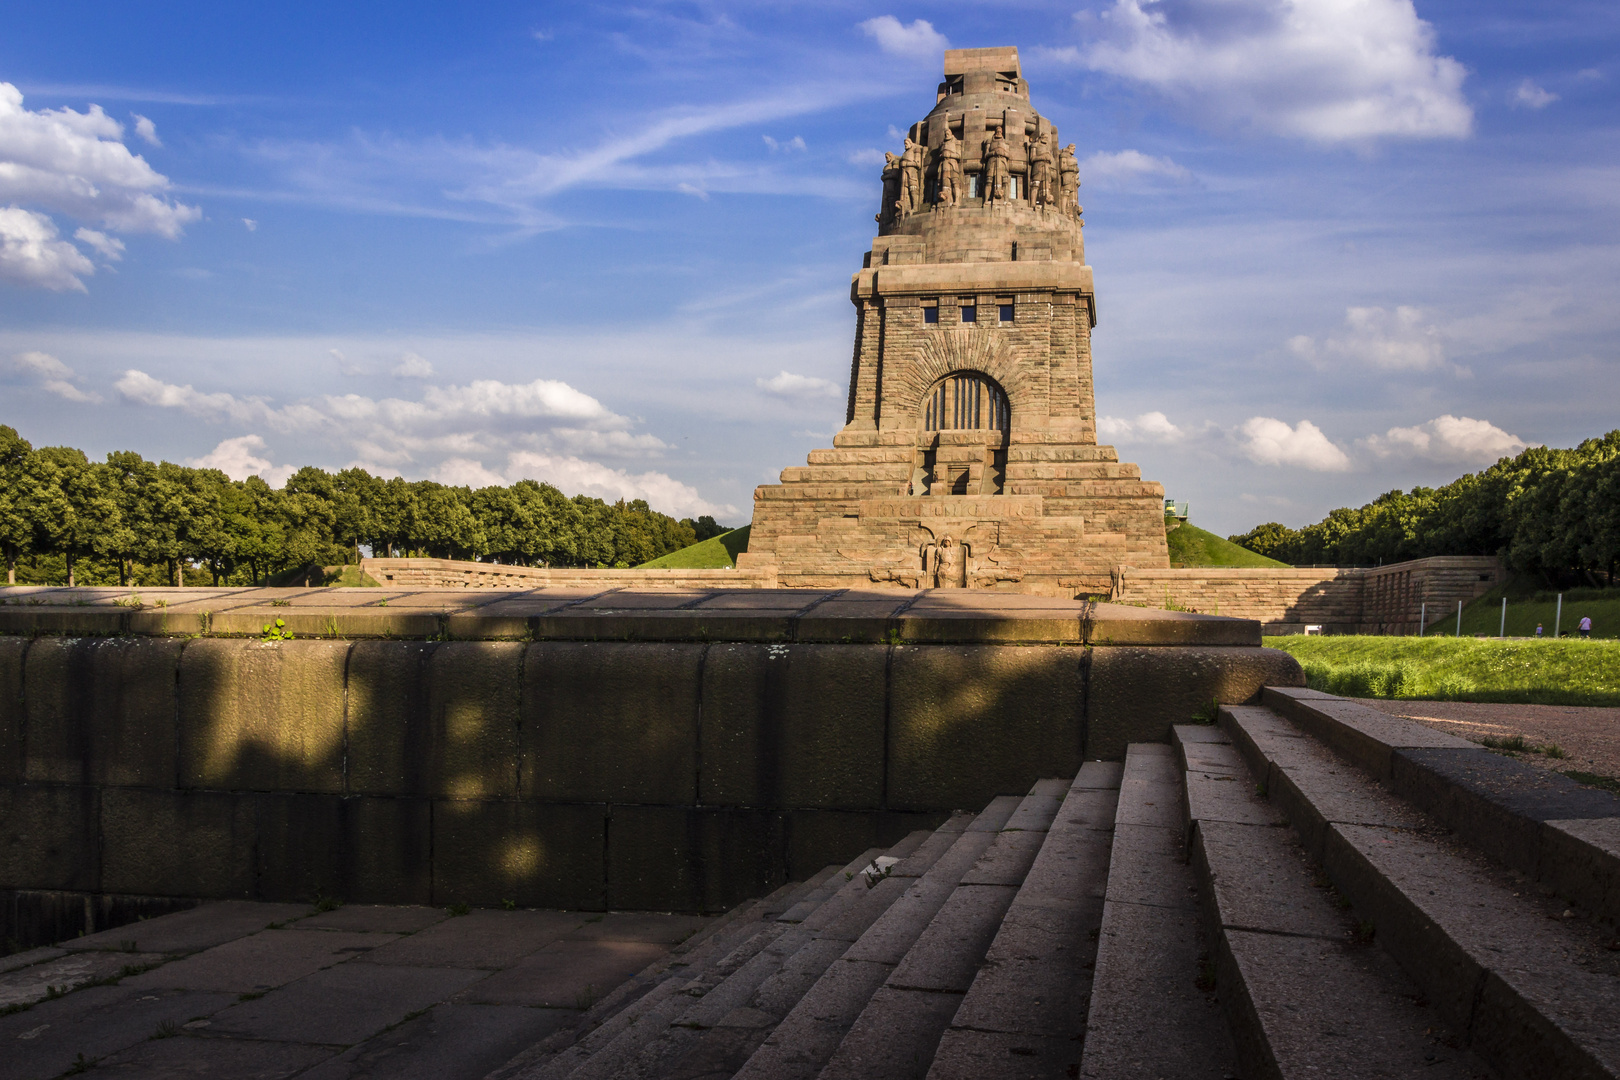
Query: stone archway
point(963, 422)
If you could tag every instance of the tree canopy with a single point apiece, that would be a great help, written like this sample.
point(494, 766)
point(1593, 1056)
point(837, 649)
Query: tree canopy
point(1549, 512)
point(67, 519)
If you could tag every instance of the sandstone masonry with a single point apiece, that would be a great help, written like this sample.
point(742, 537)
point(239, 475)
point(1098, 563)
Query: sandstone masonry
point(969, 455)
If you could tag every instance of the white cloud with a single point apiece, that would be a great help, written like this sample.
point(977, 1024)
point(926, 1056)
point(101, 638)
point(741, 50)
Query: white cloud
point(1399, 340)
point(1532, 96)
point(1273, 442)
point(795, 143)
point(238, 459)
point(789, 385)
point(1450, 439)
point(74, 163)
point(146, 130)
point(1150, 427)
point(577, 476)
point(1123, 167)
point(108, 247)
point(49, 374)
point(250, 225)
point(412, 366)
point(868, 156)
point(919, 40)
point(30, 253)
point(1326, 70)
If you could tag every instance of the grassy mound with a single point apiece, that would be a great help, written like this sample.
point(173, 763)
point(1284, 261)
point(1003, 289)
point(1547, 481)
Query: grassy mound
point(715, 553)
point(1564, 672)
point(1192, 546)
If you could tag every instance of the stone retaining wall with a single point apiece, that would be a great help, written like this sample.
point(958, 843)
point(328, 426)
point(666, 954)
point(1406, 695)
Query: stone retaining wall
point(655, 751)
point(456, 573)
point(1383, 600)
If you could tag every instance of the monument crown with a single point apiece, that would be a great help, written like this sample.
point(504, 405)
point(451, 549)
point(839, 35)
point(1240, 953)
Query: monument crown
point(969, 456)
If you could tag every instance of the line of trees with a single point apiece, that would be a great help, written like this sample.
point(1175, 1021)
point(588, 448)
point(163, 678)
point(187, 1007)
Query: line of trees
point(132, 521)
point(1550, 512)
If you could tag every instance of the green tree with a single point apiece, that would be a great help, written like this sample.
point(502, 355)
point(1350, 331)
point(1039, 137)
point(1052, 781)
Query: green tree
point(18, 478)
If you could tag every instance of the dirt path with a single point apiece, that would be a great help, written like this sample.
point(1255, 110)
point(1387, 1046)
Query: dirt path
point(1590, 736)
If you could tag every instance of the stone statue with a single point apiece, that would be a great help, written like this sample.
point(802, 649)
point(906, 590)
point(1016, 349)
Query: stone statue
point(1069, 182)
point(995, 169)
point(1040, 171)
point(890, 202)
point(950, 170)
point(948, 564)
point(911, 187)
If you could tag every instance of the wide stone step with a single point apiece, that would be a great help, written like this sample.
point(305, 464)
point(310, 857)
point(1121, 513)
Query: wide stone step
point(1304, 989)
point(1525, 818)
point(899, 1030)
point(718, 1033)
point(813, 1029)
point(1531, 986)
point(610, 1018)
point(1153, 1010)
point(615, 1058)
point(1025, 1013)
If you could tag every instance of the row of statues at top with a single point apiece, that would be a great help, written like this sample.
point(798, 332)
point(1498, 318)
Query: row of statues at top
point(1053, 179)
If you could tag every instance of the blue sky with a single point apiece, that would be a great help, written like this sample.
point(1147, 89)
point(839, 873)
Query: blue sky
point(1341, 246)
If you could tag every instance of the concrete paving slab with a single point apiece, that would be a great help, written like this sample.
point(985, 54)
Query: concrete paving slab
point(482, 939)
point(31, 956)
point(1144, 870)
point(46, 1040)
point(341, 1005)
point(566, 974)
point(1262, 881)
point(449, 1042)
point(201, 927)
point(262, 961)
point(947, 954)
point(187, 1055)
point(55, 977)
point(376, 918)
point(652, 926)
point(1099, 774)
point(1228, 796)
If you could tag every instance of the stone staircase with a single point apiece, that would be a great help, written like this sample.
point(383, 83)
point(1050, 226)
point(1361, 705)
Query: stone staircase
point(1308, 889)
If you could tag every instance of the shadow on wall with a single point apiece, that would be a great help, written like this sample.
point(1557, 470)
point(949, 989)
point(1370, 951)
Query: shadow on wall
point(585, 775)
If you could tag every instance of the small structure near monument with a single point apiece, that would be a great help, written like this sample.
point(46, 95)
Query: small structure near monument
point(969, 455)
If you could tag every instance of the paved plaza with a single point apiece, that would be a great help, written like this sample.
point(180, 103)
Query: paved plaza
point(254, 991)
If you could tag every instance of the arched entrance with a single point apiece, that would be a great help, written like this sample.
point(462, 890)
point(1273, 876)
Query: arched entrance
point(962, 437)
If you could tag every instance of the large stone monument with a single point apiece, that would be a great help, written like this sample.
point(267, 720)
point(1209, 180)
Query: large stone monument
point(969, 455)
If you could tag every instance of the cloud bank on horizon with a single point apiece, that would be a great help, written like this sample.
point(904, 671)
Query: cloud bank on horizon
point(1340, 246)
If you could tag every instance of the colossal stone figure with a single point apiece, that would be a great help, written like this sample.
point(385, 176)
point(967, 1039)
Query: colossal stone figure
point(911, 187)
point(1040, 171)
point(995, 169)
point(969, 455)
point(1069, 182)
point(950, 169)
point(889, 204)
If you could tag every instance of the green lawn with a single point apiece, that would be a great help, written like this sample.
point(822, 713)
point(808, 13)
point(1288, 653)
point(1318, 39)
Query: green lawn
point(1192, 546)
point(715, 553)
point(1527, 606)
point(1564, 672)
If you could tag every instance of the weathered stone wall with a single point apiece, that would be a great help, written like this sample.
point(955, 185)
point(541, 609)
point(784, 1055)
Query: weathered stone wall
point(456, 573)
point(636, 759)
point(1383, 600)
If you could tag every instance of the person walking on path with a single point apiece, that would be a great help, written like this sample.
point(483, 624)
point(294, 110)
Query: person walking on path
point(1586, 626)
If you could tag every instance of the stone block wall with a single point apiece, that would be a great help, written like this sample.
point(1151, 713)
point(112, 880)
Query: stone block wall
point(1382, 600)
point(457, 573)
point(646, 763)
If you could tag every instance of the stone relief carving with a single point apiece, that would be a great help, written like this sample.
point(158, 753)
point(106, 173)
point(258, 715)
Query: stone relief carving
point(911, 186)
point(995, 169)
point(950, 170)
point(1069, 182)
